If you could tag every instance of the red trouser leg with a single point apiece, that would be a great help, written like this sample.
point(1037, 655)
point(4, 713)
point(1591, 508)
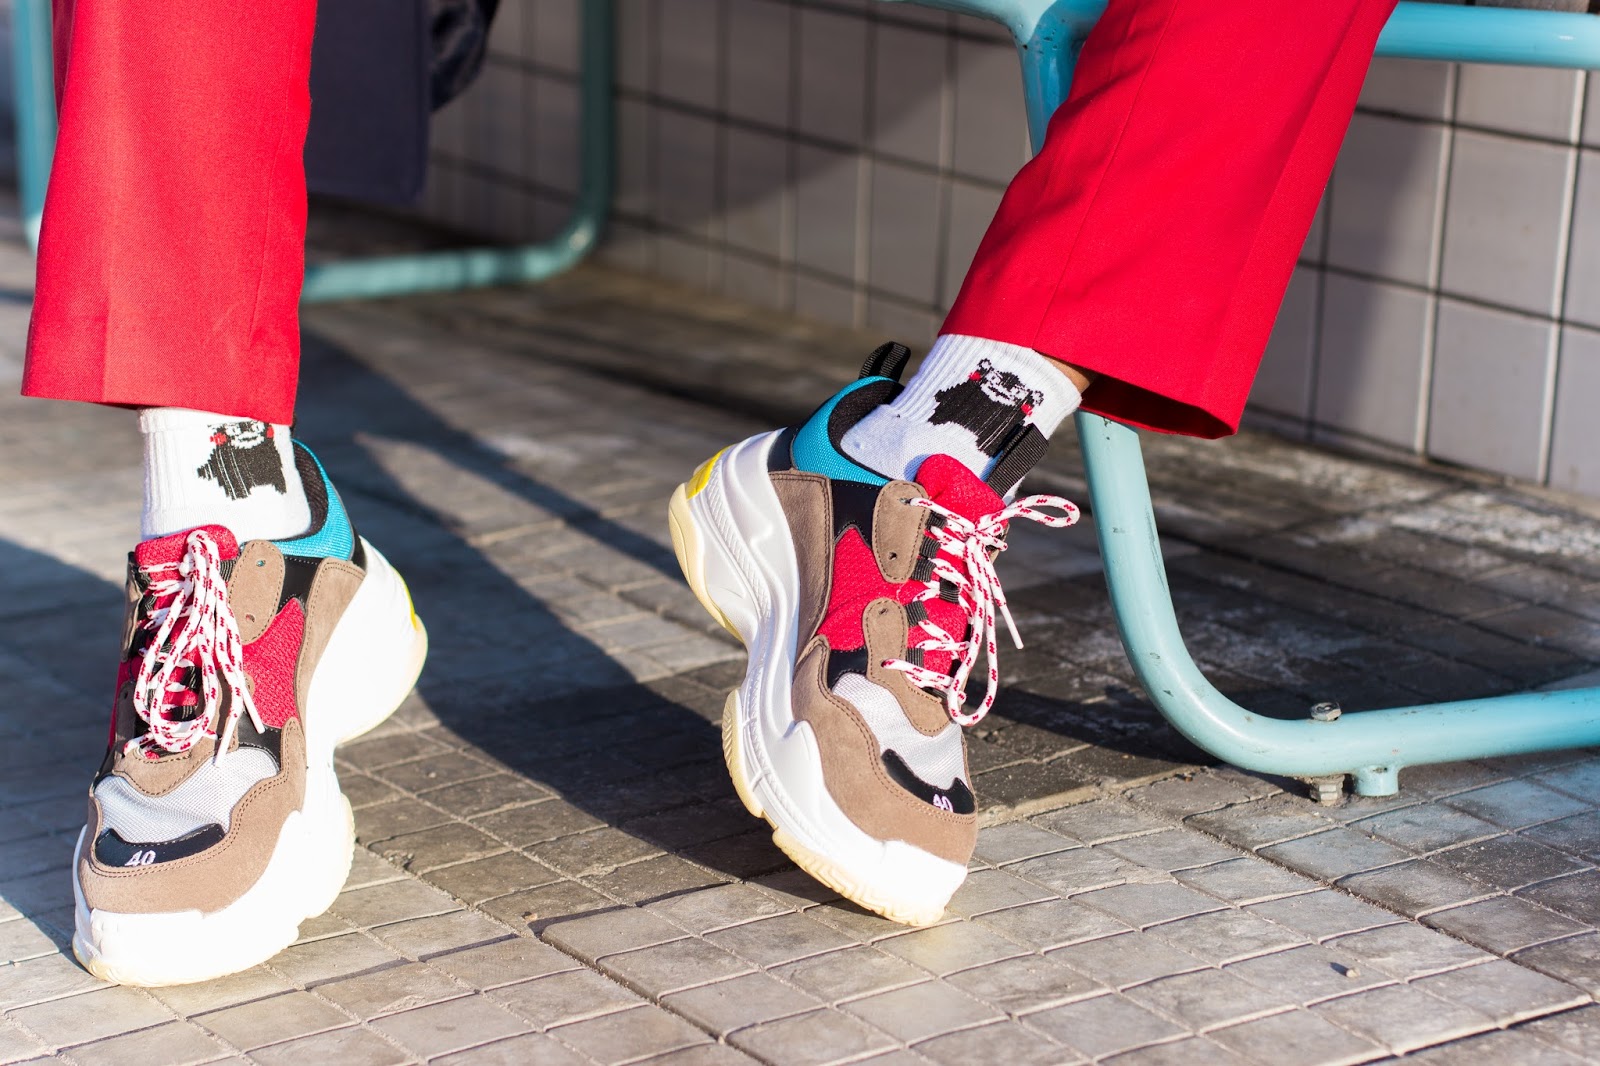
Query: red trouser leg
point(172, 249)
point(1153, 237)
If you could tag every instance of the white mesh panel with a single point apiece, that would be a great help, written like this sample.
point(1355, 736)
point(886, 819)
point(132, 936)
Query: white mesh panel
point(936, 759)
point(207, 796)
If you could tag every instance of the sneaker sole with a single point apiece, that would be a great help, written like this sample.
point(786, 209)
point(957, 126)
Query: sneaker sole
point(733, 545)
point(370, 665)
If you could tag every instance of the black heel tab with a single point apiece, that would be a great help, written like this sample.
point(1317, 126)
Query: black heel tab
point(886, 361)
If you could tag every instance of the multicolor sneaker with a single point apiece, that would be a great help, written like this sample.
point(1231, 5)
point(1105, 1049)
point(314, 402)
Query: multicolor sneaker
point(216, 824)
point(864, 603)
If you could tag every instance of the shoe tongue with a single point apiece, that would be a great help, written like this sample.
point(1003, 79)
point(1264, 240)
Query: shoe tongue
point(949, 483)
point(170, 549)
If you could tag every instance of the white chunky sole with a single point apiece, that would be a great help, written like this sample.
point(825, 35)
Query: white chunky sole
point(371, 663)
point(733, 543)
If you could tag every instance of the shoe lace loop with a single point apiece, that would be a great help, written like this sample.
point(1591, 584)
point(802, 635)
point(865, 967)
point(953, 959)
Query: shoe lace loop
point(194, 629)
point(973, 544)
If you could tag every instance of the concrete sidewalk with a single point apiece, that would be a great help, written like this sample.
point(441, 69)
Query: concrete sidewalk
point(556, 869)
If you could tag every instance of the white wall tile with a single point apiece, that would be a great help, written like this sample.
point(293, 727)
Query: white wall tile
point(1490, 371)
point(1369, 366)
point(904, 230)
point(758, 60)
point(832, 76)
point(687, 33)
point(636, 50)
point(827, 200)
point(753, 281)
point(755, 188)
point(1503, 221)
point(555, 28)
point(1533, 102)
point(1591, 112)
point(991, 129)
point(1417, 87)
point(687, 262)
point(1575, 443)
point(908, 93)
point(1283, 384)
point(824, 300)
point(685, 169)
point(1386, 191)
point(970, 210)
point(1583, 261)
point(557, 115)
point(635, 189)
point(912, 326)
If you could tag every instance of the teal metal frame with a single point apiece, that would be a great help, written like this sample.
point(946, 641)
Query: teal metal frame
point(356, 279)
point(1372, 746)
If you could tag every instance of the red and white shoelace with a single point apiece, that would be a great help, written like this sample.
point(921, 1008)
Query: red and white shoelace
point(194, 628)
point(977, 591)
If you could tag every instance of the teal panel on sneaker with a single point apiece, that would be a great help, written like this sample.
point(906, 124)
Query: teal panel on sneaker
point(336, 538)
point(813, 448)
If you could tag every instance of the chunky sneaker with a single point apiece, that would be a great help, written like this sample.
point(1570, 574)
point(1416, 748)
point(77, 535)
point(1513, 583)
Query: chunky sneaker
point(865, 603)
point(216, 825)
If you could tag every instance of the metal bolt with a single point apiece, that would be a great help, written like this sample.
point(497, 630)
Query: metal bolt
point(1326, 711)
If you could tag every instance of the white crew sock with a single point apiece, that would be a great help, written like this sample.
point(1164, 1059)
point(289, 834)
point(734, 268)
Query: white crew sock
point(209, 469)
point(965, 401)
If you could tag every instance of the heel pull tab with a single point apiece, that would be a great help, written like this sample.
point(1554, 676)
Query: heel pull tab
point(886, 361)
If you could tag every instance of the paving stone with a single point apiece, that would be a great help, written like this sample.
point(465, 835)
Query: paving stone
point(1427, 827)
point(537, 823)
point(21, 939)
point(1504, 991)
point(1053, 923)
point(1297, 1036)
point(992, 890)
point(1013, 841)
point(1323, 914)
point(847, 974)
point(1173, 850)
point(1226, 935)
point(1576, 896)
point(1334, 853)
point(1580, 778)
point(1193, 1051)
point(564, 997)
point(1098, 821)
point(337, 956)
point(610, 932)
point(717, 907)
point(630, 1034)
point(381, 821)
point(1027, 983)
point(91, 1015)
point(953, 946)
point(537, 908)
point(1575, 960)
point(1503, 924)
point(780, 939)
point(1128, 959)
point(656, 971)
point(256, 983)
point(1006, 1042)
point(272, 1021)
point(1402, 1018)
point(1576, 1031)
point(440, 1028)
point(1141, 905)
point(1245, 879)
point(1515, 804)
point(919, 1012)
point(1103, 1026)
point(641, 882)
point(1414, 888)
point(1407, 951)
point(1312, 973)
point(424, 937)
point(41, 979)
point(1514, 1046)
point(749, 999)
point(173, 1044)
point(1578, 835)
point(1264, 822)
point(1509, 862)
point(347, 1047)
point(17, 1046)
point(1179, 797)
point(394, 901)
point(816, 1039)
point(391, 990)
point(503, 963)
point(1080, 870)
point(703, 1055)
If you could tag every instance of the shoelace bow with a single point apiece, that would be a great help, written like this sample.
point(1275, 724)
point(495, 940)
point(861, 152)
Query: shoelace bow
point(978, 591)
point(194, 629)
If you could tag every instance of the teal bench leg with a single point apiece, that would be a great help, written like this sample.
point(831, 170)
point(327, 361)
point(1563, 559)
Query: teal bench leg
point(1372, 746)
point(382, 276)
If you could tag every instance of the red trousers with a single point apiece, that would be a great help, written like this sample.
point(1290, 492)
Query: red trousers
point(1149, 242)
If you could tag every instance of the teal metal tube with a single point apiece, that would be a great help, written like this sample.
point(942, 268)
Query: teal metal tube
point(33, 84)
point(358, 279)
point(1374, 745)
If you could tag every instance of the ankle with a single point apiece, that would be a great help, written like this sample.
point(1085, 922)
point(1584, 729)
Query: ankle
point(203, 468)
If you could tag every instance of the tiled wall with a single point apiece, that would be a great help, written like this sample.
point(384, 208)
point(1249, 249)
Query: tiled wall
point(840, 159)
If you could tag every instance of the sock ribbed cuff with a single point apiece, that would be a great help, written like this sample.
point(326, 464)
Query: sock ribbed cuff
point(202, 468)
point(954, 358)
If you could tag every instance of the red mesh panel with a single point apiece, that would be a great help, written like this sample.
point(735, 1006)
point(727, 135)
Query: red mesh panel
point(270, 660)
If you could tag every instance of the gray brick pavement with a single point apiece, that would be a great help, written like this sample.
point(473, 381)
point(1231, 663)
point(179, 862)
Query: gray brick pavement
point(556, 870)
